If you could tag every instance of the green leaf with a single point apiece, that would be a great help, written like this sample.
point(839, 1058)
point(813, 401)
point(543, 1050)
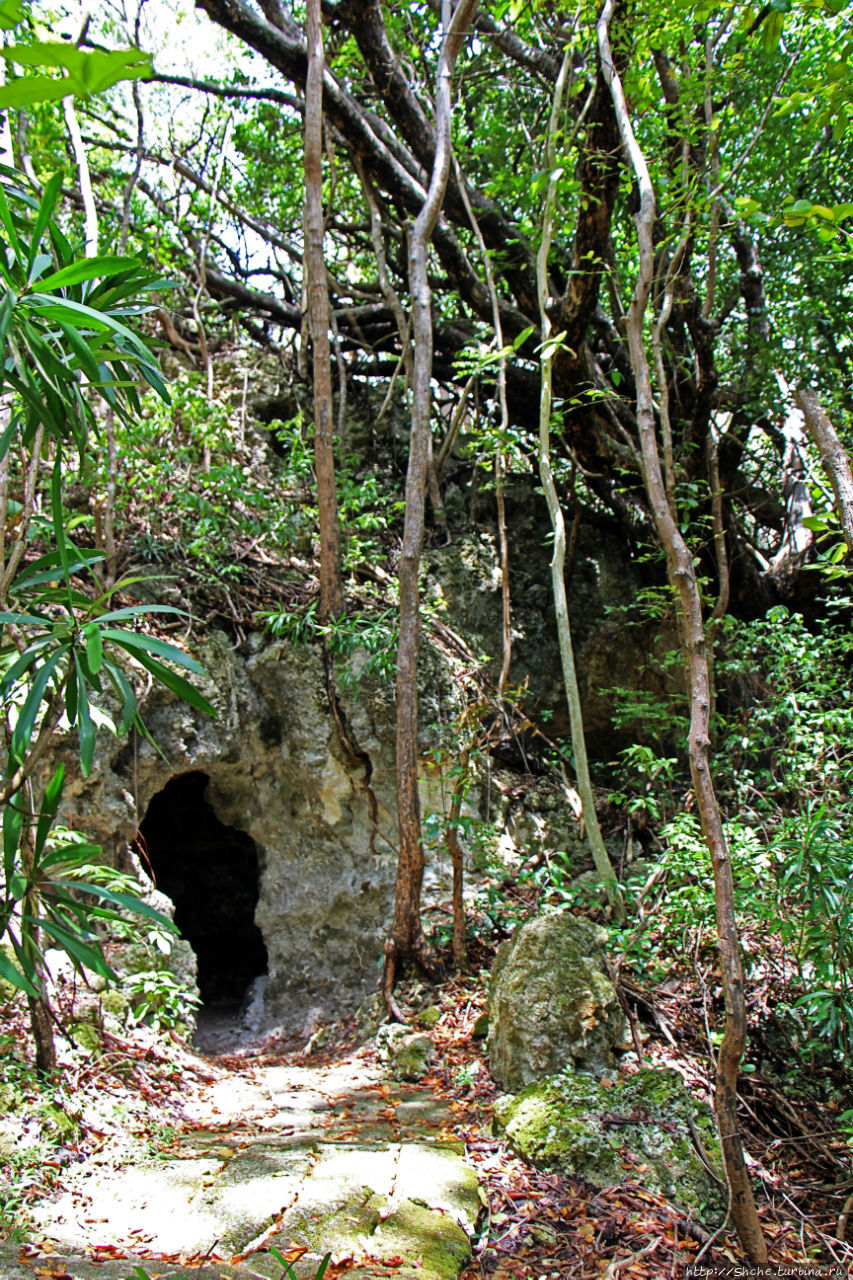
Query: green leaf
point(27, 715)
point(67, 309)
point(32, 90)
point(82, 351)
point(13, 822)
point(124, 689)
point(128, 901)
point(176, 683)
point(74, 945)
point(72, 697)
point(68, 857)
point(134, 641)
point(23, 664)
point(49, 805)
point(138, 611)
point(11, 13)
point(85, 72)
point(84, 559)
point(88, 269)
point(12, 974)
point(94, 646)
point(771, 33)
point(85, 727)
point(9, 224)
point(53, 186)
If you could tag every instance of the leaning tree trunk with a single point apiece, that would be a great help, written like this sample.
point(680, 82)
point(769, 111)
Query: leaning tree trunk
point(680, 563)
point(833, 457)
point(406, 939)
point(331, 582)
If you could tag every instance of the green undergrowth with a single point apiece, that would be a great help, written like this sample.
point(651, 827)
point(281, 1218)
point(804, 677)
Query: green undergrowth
point(234, 498)
point(783, 768)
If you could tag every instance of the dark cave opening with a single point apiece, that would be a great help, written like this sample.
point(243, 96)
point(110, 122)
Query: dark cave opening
point(211, 873)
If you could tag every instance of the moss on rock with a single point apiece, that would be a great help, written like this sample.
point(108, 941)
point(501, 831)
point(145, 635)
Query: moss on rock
point(606, 1131)
point(433, 1237)
point(551, 1004)
point(406, 1053)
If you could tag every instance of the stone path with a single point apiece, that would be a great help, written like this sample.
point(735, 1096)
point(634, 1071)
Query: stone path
point(334, 1158)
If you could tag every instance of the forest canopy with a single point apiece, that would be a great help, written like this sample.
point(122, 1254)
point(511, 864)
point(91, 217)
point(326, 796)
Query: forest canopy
point(742, 113)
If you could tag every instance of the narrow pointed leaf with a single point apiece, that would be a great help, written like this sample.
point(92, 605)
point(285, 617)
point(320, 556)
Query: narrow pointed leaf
point(176, 683)
point(87, 269)
point(85, 727)
point(12, 974)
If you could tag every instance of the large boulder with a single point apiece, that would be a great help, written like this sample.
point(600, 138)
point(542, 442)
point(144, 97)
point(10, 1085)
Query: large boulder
point(551, 1004)
point(645, 1127)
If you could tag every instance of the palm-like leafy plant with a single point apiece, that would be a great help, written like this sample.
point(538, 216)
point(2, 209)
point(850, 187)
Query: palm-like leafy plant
point(65, 342)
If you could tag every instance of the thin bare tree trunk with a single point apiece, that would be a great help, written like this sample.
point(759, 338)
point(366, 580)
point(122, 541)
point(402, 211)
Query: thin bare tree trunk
point(503, 540)
point(331, 581)
point(682, 571)
point(457, 858)
point(600, 856)
point(406, 939)
point(833, 456)
point(41, 1025)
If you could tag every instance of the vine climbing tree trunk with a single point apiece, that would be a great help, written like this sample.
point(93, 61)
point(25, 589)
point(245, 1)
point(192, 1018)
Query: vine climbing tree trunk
point(682, 572)
point(406, 939)
point(603, 865)
point(331, 579)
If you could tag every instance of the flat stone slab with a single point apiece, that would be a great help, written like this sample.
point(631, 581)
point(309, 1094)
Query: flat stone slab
point(14, 1265)
point(334, 1160)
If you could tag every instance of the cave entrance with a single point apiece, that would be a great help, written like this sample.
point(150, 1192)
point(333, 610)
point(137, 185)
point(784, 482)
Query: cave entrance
point(210, 871)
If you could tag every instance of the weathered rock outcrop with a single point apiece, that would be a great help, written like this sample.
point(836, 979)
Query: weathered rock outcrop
point(644, 1127)
point(278, 771)
point(614, 645)
point(407, 1054)
point(551, 1004)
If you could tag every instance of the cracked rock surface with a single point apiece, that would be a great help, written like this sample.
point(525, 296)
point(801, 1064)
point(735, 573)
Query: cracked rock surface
point(332, 1159)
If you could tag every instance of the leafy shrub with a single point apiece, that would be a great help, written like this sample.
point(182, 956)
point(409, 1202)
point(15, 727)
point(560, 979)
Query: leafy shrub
point(373, 637)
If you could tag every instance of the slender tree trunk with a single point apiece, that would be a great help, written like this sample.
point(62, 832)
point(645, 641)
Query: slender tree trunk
point(331, 581)
point(503, 539)
point(600, 856)
point(682, 571)
point(42, 1029)
point(833, 457)
point(406, 939)
point(454, 844)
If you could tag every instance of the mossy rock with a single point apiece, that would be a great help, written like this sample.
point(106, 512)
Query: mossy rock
point(370, 1015)
point(610, 1131)
point(407, 1054)
point(434, 1238)
point(480, 1029)
point(116, 1004)
point(429, 1016)
point(551, 1003)
point(86, 1036)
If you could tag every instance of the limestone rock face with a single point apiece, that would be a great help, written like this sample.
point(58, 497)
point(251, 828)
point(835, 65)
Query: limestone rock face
point(551, 1004)
point(277, 771)
point(464, 579)
point(633, 1129)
